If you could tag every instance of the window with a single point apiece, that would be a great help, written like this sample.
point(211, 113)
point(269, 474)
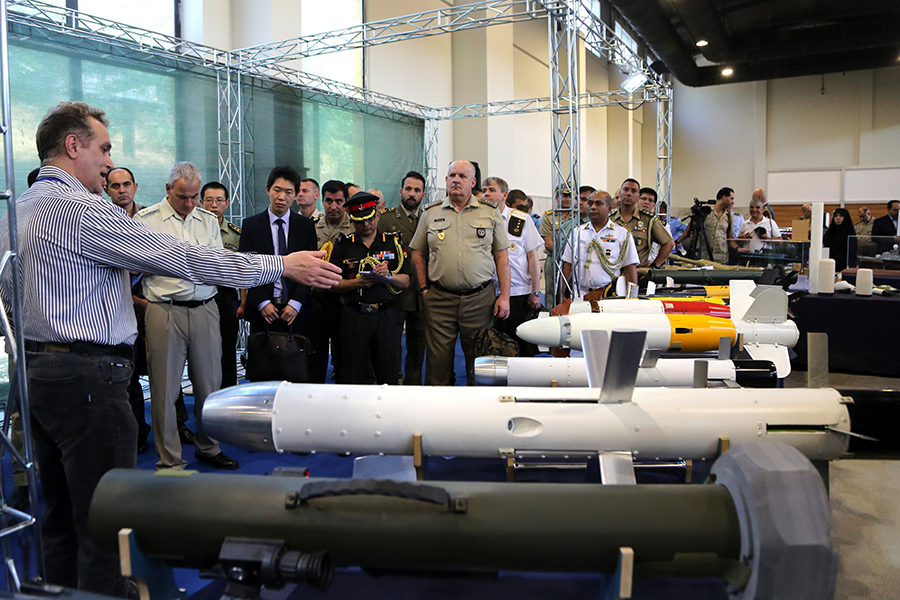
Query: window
point(316, 17)
point(155, 15)
point(628, 52)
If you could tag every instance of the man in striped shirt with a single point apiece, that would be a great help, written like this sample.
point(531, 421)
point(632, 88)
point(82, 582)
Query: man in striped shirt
point(75, 254)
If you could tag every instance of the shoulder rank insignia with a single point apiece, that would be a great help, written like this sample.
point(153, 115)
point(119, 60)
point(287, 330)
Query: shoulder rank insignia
point(648, 213)
point(490, 203)
point(516, 222)
point(433, 204)
point(234, 227)
point(385, 209)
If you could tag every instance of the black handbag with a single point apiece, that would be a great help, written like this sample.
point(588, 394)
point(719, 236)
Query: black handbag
point(277, 356)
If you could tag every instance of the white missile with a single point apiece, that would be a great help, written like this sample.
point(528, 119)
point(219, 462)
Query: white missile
point(758, 315)
point(517, 421)
point(572, 372)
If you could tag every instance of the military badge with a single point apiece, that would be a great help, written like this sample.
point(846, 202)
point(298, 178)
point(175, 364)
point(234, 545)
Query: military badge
point(481, 232)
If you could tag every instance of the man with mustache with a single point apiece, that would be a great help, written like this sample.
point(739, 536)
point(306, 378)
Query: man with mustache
point(456, 247)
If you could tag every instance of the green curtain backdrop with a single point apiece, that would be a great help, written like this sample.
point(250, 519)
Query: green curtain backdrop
point(160, 115)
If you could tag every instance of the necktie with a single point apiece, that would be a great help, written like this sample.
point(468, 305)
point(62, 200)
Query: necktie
point(282, 250)
point(282, 240)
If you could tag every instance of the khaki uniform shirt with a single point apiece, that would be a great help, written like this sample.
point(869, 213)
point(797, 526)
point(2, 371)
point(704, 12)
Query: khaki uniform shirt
point(231, 235)
point(328, 233)
point(459, 246)
point(645, 229)
point(399, 220)
point(201, 227)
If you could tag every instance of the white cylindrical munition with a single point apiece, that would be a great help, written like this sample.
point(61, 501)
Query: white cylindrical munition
point(485, 421)
point(815, 245)
point(572, 372)
point(826, 276)
point(864, 281)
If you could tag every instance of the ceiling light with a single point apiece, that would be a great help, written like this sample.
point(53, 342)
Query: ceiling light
point(701, 43)
point(633, 82)
point(727, 71)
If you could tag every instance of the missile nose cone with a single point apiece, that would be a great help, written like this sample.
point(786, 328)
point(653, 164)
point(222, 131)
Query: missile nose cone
point(542, 331)
point(242, 415)
point(491, 370)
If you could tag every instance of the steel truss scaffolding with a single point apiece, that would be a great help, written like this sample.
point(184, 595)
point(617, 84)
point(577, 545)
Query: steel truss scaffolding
point(238, 72)
point(12, 520)
point(568, 20)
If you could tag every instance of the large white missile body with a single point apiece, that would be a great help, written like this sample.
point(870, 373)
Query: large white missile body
point(516, 421)
point(758, 314)
point(572, 372)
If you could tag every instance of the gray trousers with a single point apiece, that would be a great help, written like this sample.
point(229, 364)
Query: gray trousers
point(176, 334)
point(448, 316)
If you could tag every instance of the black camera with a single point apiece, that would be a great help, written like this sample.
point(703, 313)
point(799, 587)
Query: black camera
point(760, 231)
point(702, 209)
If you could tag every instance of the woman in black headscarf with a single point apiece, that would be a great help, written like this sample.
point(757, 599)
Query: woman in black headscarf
point(836, 237)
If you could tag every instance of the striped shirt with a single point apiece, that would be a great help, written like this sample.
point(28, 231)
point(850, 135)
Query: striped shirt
point(76, 251)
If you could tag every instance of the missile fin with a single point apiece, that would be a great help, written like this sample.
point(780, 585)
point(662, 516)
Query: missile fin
point(616, 468)
point(739, 298)
point(777, 354)
point(770, 305)
point(595, 345)
point(852, 434)
point(724, 348)
point(622, 364)
point(650, 359)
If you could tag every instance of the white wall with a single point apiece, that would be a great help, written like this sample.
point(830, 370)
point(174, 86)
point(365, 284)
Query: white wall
point(733, 134)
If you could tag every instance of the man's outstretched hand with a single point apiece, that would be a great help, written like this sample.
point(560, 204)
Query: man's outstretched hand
point(309, 269)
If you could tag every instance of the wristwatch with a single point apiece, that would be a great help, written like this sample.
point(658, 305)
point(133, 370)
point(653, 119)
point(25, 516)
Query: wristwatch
point(423, 288)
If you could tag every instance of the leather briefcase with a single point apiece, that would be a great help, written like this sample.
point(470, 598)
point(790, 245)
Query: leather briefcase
point(277, 356)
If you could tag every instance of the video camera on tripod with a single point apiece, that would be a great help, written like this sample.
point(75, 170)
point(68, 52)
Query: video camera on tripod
point(696, 231)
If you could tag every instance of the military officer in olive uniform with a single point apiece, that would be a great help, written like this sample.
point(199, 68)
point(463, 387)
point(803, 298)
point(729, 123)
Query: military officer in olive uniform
point(375, 271)
point(560, 219)
point(644, 226)
point(403, 219)
point(215, 199)
point(457, 245)
point(325, 326)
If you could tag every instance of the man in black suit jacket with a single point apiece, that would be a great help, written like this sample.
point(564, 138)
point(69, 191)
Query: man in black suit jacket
point(285, 302)
point(887, 226)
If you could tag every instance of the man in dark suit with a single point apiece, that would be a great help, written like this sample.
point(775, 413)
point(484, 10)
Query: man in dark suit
point(887, 226)
point(277, 230)
point(403, 219)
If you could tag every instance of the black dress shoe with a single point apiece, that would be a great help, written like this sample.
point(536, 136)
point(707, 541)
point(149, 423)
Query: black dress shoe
point(219, 461)
point(141, 446)
point(186, 436)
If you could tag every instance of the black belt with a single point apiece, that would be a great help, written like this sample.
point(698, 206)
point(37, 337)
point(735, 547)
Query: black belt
point(121, 350)
point(186, 303)
point(369, 309)
point(466, 292)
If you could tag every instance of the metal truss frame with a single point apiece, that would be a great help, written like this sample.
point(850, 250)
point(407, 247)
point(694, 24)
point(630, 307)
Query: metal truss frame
point(564, 105)
point(385, 31)
point(12, 520)
point(664, 127)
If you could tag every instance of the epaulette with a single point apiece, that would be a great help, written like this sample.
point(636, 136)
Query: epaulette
point(149, 210)
point(391, 233)
point(316, 219)
point(548, 212)
point(203, 211)
point(385, 209)
point(343, 237)
point(433, 204)
point(490, 203)
point(648, 213)
point(234, 227)
point(614, 212)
